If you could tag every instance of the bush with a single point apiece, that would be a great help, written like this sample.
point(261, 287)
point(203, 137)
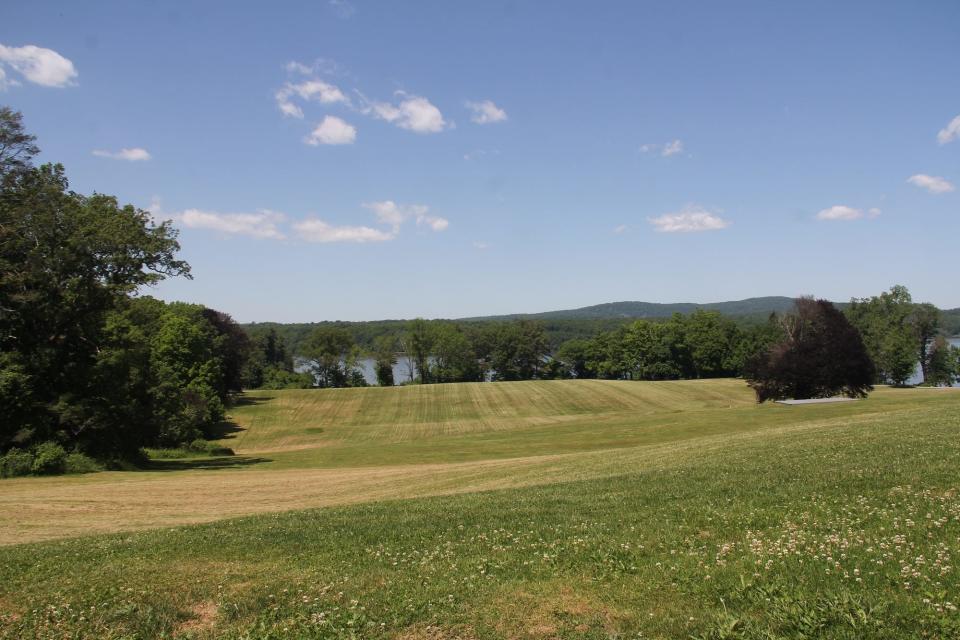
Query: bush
point(77, 462)
point(49, 458)
point(15, 463)
point(209, 448)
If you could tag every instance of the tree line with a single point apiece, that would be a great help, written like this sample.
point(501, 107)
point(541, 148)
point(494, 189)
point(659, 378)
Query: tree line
point(896, 334)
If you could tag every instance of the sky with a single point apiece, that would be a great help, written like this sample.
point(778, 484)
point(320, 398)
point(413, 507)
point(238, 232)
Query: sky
point(351, 160)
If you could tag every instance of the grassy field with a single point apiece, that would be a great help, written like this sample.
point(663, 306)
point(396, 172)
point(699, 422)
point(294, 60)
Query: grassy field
point(568, 509)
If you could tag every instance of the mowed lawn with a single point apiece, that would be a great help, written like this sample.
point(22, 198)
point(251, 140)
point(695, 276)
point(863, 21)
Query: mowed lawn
point(567, 509)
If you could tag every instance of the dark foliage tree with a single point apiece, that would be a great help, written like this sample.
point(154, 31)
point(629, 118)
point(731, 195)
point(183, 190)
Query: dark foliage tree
point(821, 355)
point(234, 344)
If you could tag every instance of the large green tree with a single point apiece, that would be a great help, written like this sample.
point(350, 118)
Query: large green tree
point(333, 356)
point(66, 262)
point(884, 324)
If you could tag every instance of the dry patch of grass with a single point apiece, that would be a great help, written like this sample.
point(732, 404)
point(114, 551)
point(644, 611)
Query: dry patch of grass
point(203, 618)
point(432, 632)
point(554, 611)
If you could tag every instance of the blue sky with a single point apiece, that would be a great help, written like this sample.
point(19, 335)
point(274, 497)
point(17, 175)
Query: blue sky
point(354, 160)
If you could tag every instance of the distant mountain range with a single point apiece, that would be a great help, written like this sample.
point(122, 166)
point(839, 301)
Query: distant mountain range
point(610, 310)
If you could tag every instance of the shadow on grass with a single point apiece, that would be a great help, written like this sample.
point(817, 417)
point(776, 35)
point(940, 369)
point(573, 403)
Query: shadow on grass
point(186, 464)
point(223, 430)
point(243, 400)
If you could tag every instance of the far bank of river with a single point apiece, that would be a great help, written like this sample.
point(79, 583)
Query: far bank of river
point(404, 370)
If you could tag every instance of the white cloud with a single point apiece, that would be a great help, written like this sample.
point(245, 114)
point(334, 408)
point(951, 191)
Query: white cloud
point(950, 132)
point(393, 214)
point(312, 90)
point(482, 246)
point(666, 150)
point(298, 67)
point(262, 224)
point(620, 229)
point(434, 222)
point(134, 154)
point(933, 184)
point(486, 112)
point(672, 148)
point(315, 230)
point(691, 218)
point(841, 212)
point(332, 130)
point(413, 113)
point(37, 65)
point(388, 212)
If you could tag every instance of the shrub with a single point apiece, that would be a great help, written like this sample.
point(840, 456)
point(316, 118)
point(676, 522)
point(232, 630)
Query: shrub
point(16, 462)
point(48, 458)
point(77, 462)
point(209, 448)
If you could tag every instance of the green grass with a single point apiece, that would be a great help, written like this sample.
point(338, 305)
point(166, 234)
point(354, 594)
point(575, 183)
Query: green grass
point(697, 515)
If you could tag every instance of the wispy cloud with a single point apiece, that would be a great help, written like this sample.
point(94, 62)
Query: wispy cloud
point(262, 224)
point(332, 130)
point(486, 112)
point(342, 8)
point(950, 132)
point(393, 214)
point(135, 154)
point(313, 90)
point(44, 67)
point(268, 224)
point(620, 229)
point(316, 230)
point(666, 150)
point(843, 212)
point(691, 218)
point(672, 148)
point(481, 246)
point(414, 113)
point(933, 184)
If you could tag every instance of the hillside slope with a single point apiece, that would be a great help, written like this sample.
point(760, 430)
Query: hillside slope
point(636, 309)
point(825, 521)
